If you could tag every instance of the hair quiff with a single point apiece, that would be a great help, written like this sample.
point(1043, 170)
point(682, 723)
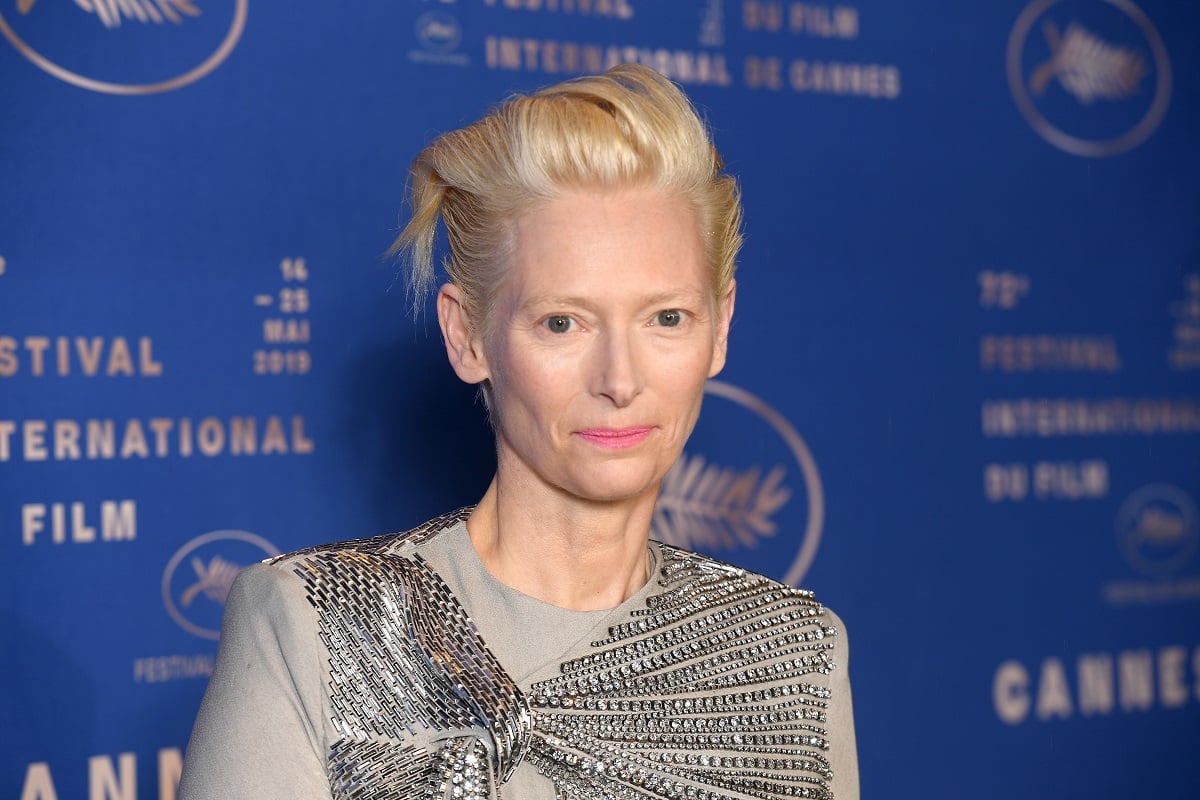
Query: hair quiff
point(629, 126)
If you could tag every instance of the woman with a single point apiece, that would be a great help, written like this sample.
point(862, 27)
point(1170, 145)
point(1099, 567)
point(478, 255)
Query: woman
point(539, 645)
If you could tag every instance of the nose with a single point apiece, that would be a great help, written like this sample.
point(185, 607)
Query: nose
point(618, 375)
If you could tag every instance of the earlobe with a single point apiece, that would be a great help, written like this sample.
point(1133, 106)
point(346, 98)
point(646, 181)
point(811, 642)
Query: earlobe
point(463, 348)
point(724, 320)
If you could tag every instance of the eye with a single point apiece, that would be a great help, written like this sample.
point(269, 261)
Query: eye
point(669, 318)
point(559, 323)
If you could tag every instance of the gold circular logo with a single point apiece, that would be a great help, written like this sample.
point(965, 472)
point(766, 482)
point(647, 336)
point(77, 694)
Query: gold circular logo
point(197, 579)
point(77, 42)
point(1158, 530)
point(741, 487)
point(1092, 77)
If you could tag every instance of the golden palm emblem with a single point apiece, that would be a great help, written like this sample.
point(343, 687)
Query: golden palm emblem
point(111, 12)
point(1087, 66)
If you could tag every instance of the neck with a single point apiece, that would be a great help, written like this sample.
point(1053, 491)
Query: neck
point(565, 551)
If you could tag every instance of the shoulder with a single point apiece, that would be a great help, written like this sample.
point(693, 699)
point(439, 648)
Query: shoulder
point(404, 543)
point(684, 572)
point(683, 565)
point(281, 587)
point(348, 577)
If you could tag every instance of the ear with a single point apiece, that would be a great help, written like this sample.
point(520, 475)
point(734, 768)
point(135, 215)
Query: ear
point(463, 347)
point(724, 319)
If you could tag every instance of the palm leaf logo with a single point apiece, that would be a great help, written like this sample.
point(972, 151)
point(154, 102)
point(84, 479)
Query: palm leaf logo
point(213, 580)
point(111, 12)
point(704, 505)
point(1087, 66)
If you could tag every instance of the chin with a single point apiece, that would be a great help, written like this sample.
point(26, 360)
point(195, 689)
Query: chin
point(614, 488)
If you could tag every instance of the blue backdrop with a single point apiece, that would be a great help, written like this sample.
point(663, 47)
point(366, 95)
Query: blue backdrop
point(962, 402)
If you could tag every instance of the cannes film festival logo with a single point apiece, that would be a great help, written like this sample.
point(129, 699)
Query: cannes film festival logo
point(1158, 530)
point(438, 35)
point(128, 47)
point(1091, 76)
point(745, 489)
point(438, 31)
point(197, 579)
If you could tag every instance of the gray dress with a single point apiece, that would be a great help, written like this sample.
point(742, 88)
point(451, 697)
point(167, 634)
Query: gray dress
point(398, 668)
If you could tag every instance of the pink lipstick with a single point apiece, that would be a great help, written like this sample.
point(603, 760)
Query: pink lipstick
point(615, 438)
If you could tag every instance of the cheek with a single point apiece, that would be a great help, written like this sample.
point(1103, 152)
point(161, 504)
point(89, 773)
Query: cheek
point(683, 385)
point(688, 368)
point(527, 385)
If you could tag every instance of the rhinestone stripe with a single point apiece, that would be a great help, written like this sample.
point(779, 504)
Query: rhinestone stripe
point(703, 695)
point(463, 772)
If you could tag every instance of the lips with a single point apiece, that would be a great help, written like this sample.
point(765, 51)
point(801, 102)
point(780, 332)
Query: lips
point(615, 438)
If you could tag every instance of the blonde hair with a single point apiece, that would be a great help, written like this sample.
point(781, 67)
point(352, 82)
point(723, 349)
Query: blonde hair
point(629, 126)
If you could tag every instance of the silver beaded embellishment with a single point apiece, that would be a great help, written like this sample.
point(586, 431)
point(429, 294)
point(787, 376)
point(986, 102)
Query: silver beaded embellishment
point(405, 663)
point(464, 774)
point(716, 690)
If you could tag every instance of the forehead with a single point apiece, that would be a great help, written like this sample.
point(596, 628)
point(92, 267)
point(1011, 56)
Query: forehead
point(608, 244)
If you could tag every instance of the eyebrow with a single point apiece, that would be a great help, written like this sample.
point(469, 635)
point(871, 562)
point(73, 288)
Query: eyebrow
point(666, 298)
